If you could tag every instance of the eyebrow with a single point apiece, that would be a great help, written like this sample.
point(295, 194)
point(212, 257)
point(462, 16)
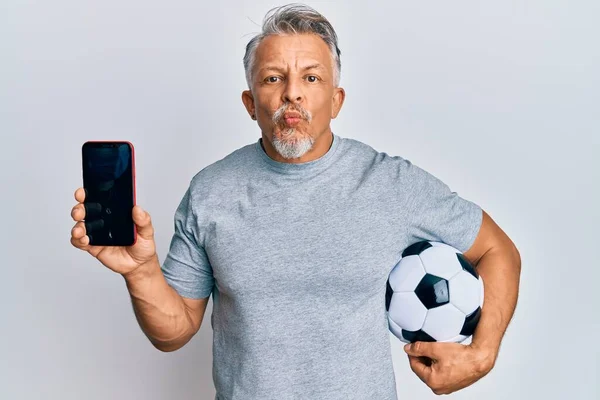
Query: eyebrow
point(279, 69)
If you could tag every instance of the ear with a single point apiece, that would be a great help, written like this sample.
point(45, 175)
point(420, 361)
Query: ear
point(339, 95)
point(248, 100)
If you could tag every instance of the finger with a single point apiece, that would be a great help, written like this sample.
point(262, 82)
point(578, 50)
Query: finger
point(84, 244)
point(419, 368)
point(78, 231)
point(80, 235)
point(78, 212)
point(421, 349)
point(93, 225)
point(81, 242)
point(82, 211)
point(143, 221)
point(80, 194)
point(92, 209)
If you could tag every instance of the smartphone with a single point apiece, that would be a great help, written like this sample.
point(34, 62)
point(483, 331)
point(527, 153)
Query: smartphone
point(109, 184)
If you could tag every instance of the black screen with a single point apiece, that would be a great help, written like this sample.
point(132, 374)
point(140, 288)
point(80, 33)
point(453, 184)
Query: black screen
point(109, 184)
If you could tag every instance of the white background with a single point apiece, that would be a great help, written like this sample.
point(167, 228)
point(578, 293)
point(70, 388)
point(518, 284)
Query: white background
point(498, 99)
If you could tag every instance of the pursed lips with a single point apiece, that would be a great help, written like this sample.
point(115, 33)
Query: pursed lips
point(292, 118)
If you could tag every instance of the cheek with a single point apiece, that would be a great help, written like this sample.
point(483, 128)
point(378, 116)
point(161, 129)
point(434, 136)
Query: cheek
point(322, 111)
point(264, 103)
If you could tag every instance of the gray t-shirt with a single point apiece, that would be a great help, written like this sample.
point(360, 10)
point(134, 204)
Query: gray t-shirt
point(297, 256)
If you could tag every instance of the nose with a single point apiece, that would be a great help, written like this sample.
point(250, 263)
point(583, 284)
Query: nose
point(292, 92)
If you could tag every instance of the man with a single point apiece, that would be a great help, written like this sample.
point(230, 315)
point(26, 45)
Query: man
point(295, 235)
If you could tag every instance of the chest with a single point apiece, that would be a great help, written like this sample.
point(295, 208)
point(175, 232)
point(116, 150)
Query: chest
point(298, 248)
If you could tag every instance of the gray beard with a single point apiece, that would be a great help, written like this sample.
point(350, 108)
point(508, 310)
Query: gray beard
point(295, 148)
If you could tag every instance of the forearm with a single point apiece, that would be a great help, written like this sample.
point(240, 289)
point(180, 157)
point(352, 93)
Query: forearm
point(159, 309)
point(500, 269)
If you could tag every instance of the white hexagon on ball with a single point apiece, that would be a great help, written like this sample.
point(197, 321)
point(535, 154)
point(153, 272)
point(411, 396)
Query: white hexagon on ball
point(441, 261)
point(465, 292)
point(444, 323)
point(407, 274)
point(407, 311)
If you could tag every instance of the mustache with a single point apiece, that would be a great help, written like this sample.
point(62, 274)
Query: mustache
point(287, 107)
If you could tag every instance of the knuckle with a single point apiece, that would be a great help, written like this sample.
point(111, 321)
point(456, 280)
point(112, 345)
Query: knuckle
point(79, 227)
point(76, 210)
point(75, 242)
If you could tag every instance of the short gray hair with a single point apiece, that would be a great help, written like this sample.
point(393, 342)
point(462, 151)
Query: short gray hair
point(294, 19)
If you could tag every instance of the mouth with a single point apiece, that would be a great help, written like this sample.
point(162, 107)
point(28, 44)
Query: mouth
point(292, 120)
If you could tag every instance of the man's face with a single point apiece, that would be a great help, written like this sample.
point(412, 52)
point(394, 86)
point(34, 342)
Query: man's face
point(293, 96)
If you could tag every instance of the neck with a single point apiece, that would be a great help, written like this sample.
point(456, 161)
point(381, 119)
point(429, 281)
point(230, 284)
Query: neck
point(319, 149)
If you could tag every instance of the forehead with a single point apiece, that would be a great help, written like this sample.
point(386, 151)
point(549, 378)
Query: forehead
point(294, 50)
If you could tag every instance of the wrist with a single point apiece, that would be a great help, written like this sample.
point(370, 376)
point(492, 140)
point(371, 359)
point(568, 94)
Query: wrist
point(143, 271)
point(486, 354)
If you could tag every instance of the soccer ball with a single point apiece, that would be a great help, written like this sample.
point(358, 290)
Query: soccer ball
point(433, 295)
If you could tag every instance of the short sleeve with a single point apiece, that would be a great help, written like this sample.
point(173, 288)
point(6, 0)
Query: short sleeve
point(186, 266)
point(438, 214)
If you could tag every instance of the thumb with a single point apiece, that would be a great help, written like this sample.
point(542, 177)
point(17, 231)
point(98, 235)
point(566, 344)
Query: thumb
point(143, 222)
point(420, 349)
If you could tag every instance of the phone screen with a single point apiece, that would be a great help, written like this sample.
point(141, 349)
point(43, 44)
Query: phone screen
point(109, 182)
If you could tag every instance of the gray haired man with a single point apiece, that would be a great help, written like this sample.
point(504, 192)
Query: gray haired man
point(294, 236)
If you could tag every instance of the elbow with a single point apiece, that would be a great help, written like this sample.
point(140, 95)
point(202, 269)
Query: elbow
point(167, 347)
point(511, 254)
point(517, 258)
point(515, 263)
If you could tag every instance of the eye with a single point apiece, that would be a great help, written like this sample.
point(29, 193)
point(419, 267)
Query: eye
point(312, 80)
point(272, 79)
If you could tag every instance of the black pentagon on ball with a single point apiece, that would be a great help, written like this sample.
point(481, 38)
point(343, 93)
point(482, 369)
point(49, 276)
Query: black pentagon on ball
point(433, 291)
point(416, 336)
point(466, 265)
point(416, 248)
point(471, 322)
point(388, 296)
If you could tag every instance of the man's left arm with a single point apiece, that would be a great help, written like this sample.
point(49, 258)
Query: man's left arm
point(448, 367)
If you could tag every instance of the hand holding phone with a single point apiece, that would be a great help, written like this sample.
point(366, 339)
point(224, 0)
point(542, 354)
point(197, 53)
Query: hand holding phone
point(93, 231)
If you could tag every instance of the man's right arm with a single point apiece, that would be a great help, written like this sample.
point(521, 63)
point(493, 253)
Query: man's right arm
point(166, 318)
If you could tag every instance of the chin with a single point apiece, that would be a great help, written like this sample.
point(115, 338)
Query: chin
point(292, 145)
point(290, 134)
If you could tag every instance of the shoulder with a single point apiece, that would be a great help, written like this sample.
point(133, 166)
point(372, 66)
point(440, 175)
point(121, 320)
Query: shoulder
point(377, 161)
point(217, 179)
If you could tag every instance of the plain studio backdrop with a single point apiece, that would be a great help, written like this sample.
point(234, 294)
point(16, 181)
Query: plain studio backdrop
point(500, 101)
